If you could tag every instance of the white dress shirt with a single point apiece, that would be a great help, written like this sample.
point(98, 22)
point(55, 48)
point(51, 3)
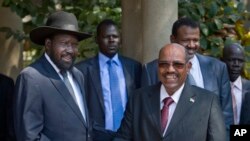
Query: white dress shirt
point(236, 88)
point(175, 97)
point(195, 71)
point(74, 85)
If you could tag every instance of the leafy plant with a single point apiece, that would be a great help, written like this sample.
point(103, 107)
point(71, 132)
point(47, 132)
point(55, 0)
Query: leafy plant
point(221, 23)
point(34, 13)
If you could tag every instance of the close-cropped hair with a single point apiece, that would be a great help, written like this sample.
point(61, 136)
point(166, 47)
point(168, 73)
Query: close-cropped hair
point(105, 22)
point(238, 45)
point(185, 21)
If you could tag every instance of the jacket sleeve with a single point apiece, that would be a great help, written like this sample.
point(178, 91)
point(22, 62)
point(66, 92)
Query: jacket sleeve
point(216, 127)
point(226, 98)
point(125, 132)
point(28, 111)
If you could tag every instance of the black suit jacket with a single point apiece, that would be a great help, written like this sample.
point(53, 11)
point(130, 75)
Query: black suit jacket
point(197, 117)
point(6, 94)
point(215, 77)
point(44, 110)
point(91, 71)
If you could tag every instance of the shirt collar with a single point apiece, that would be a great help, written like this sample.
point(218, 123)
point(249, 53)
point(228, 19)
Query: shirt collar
point(103, 59)
point(237, 83)
point(52, 63)
point(194, 60)
point(175, 96)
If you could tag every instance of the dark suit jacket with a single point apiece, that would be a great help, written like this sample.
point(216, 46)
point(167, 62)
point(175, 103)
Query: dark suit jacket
point(245, 87)
point(44, 109)
point(245, 110)
point(90, 69)
point(215, 77)
point(6, 123)
point(200, 120)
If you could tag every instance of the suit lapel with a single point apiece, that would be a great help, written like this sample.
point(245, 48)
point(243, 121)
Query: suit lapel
point(80, 83)
point(187, 99)
point(128, 79)
point(153, 103)
point(94, 71)
point(206, 74)
point(61, 88)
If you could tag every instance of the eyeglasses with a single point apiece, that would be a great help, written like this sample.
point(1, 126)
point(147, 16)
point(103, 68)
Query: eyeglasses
point(176, 65)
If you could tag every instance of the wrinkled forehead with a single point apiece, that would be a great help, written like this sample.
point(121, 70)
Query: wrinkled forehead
point(172, 53)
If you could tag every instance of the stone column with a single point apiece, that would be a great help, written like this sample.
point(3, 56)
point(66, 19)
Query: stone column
point(146, 27)
point(10, 49)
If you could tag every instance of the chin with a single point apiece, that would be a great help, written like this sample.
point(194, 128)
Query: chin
point(65, 66)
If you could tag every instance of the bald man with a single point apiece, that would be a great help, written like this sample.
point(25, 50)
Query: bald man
point(172, 110)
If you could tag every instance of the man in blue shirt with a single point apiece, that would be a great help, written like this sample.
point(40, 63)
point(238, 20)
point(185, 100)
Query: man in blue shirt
point(108, 76)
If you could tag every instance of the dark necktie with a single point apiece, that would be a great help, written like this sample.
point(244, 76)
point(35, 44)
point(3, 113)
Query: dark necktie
point(164, 112)
point(68, 85)
point(115, 95)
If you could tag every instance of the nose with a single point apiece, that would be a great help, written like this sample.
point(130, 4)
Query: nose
point(111, 38)
point(70, 48)
point(236, 62)
point(170, 68)
point(191, 43)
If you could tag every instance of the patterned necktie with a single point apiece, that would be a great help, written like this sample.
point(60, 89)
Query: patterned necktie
point(164, 112)
point(115, 95)
point(68, 85)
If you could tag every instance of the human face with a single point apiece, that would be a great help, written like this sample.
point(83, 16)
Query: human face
point(108, 40)
point(172, 67)
point(62, 50)
point(188, 37)
point(234, 59)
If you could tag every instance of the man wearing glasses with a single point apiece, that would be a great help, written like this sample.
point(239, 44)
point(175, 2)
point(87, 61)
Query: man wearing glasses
point(172, 110)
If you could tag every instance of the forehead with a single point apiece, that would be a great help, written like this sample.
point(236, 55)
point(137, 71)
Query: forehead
point(109, 29)
point(234, 52)
point(64, 36)
point(172, 54)
point(187, 30)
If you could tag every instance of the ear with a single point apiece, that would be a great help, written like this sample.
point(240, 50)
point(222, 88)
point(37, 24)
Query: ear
point(48, 44)
point(172, 38)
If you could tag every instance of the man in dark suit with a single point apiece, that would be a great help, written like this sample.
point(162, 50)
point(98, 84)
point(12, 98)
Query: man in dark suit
point(206, 72)
point(245, 110)
point(6, 94)
point(193, 114)
point(49, 103)
point(99, 86)
point(233, 56)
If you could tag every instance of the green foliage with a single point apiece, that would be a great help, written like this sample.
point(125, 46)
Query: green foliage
point(221, 23)
point(88, 12)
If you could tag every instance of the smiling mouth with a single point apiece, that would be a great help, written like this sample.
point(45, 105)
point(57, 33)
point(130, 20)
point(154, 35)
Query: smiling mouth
point(68, 58)
point(170, 77)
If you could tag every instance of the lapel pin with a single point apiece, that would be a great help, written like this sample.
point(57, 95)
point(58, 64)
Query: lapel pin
point(191, 100)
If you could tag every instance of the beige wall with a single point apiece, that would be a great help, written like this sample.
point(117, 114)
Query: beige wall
point(146, 27)
point(10, 50)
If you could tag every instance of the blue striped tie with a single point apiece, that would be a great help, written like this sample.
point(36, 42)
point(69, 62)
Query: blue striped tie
point(115, 95)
